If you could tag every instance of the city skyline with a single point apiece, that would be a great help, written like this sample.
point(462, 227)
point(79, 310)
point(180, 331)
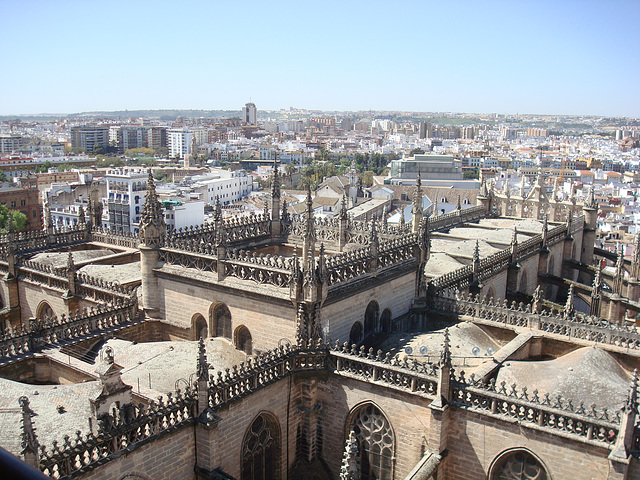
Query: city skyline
point(496, 57)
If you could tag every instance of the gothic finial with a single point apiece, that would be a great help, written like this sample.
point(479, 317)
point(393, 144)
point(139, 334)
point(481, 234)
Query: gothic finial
point(30, 445)
point(569, 307)
point(350, 469)
point(476, 253)
point(374, 233)
point(445, 356)
point(632, 398)
point(81, 218)
point(545, 230)
point(275, 184)
point(152, 226)
point(342, 215)
point(459, 205)
point(70, 264)
point(203, 366)
point(217, 210)
point(591, 199)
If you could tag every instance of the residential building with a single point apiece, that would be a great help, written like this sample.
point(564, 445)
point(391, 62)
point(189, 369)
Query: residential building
point(250, 114)
point(89, 137)
point(126, 190)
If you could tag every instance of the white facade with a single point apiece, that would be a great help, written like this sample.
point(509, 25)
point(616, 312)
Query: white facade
point(179, 140)
point(126, 192)
point(180, 215)
point(229, 186)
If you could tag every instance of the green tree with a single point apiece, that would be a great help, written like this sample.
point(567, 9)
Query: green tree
point(19, 219)
point(44, 167)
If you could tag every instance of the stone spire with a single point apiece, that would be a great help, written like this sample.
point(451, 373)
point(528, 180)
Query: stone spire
point(545, 230)
point(635, 261)
point(350, 469)
point(522, 186)
point(459, 205)
point(417, 205)
point(29, 444)
point(436, 208)
point(514, 246)
point(624, 441)
point(342, 214)
point(476, 259)
point(217, 210)
point(591, 202)
point(596, 296)
point(48, 219)
point(618, 277)
point(275, 199)
point(536, 303)
point(152, 226)
point(445, 355)
point(443, 396)
point(308, 248)
point(71, 276)
point(569, 306)
point(82, 222)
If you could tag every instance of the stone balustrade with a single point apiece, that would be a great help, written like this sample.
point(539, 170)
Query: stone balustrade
point(127, 428)
point(76, 326)
point(577, 326)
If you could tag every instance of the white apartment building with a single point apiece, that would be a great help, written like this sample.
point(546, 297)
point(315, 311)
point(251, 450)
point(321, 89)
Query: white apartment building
point(183, 214)
point(229, 186)
point(179, 140)
point(126, 192)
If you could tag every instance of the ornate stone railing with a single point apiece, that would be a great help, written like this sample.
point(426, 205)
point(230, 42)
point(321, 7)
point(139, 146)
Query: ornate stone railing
point(265, 369)
point(556, 416)
point(132, 426)
point(85, 285)
point(118, 239)
point(452, 219)
point(577, 326)
point(462, 277)
point(24, 242)
point(76, 326)
point(390, 371)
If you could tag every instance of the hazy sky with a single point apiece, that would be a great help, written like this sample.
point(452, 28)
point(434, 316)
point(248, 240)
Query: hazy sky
point(565, 57)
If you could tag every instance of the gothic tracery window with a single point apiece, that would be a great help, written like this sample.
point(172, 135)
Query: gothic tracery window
point(375, 442)
point(518, 465)
point(261, 450)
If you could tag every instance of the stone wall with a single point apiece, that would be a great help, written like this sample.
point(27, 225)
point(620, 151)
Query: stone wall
point(339, 316)
point(267, 319)
point(169, 457)
point(408, 415)
point(475, 442)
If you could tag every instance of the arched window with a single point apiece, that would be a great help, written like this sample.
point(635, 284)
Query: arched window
point(243, 339)
point(199, 327)
point(375, 441)
point(220, 320)
point(45, 312)
point(371, 318)
point(517, 465)
point(355, 335)
point(385, 320)
point(261, 449)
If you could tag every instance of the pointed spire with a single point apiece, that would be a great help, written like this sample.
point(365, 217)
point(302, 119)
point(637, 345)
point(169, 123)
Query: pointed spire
point(618, 277)
point(29, 444)
point(514, 245)
point(374, 233)
point(632, 398)
point(536, 303)
point(569, 306)
point(217, 210)
point(275, 184)
point(545, 230)
point(591, 202)
point(342, 215)
point(350, 469)
point(445, 355)
point(81, 218)
point(203, 366)
point(284, 216)
point(635, 261)
point(476, 253)
point(70, 264)
point(152, 226)
point(436, 209)
point(459, 205)
point(522, 186)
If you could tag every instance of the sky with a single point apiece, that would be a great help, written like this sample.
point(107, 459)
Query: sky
point(547, 57)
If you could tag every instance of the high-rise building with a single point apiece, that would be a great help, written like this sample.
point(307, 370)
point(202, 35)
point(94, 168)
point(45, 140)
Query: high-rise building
point(250, 114)
point(89, 137)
